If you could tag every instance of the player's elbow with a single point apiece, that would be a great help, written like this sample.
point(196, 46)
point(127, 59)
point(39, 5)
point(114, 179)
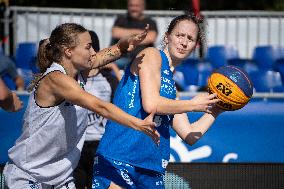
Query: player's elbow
point(193, 137)
point(149, 107)
point(191, 142)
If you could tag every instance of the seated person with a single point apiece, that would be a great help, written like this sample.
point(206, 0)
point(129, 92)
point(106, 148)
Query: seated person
point(7, 66)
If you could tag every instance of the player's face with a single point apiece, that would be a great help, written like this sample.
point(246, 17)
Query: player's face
point(82, 53)
point(135, 8)
point(182, 40)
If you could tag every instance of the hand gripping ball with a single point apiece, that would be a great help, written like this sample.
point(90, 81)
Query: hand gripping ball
point(232, 86)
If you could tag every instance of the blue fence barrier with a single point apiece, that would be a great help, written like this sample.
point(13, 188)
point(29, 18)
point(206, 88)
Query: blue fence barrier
point(253, 134)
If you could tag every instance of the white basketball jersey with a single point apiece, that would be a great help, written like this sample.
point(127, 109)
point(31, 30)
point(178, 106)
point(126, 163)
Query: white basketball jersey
point(99, 87)
point(52, 138)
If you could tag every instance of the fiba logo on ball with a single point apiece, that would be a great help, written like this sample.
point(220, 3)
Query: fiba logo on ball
point(233, 87)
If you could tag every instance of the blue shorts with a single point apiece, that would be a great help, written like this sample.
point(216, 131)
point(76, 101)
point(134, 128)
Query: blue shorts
point(125, 175)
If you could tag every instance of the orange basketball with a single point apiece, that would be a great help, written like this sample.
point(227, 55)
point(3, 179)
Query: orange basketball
point(233, 87)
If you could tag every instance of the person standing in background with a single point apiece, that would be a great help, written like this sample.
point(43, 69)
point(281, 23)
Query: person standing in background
point(133, 23)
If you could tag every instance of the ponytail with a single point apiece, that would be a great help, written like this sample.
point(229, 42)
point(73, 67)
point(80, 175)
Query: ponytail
point(43, 61)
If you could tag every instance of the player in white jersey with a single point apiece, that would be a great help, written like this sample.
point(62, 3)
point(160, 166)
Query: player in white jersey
point(48, 150)
point(102, 83)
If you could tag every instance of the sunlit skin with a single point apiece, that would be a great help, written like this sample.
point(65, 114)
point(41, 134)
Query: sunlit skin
point(80, 57)
point(181, 41)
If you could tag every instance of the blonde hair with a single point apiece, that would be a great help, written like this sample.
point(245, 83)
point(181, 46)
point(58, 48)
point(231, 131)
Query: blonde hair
point(52, 49)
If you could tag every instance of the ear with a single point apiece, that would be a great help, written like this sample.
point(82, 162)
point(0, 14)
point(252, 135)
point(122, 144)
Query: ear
point(67, 51)
point(166, 40)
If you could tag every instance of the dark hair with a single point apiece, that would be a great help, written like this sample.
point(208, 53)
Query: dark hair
point(191, 17)
point(51, 50)
point(95, 40)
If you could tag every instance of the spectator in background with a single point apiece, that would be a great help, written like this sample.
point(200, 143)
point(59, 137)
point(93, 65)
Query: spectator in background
point(133, 23)
point(7, 66)
point(9, 101)
point(102, 83)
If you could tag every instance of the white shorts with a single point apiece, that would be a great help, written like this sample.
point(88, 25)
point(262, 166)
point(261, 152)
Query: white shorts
point(16, 178)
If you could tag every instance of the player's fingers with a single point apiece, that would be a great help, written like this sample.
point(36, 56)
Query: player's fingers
point(214, 101)
point(130, 47)
point(155, 136)
point(212, 96)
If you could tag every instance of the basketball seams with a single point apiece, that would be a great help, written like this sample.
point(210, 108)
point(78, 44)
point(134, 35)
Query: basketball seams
point(245, 75)
point(233, 100)
point(227, 70)
point(237, 90)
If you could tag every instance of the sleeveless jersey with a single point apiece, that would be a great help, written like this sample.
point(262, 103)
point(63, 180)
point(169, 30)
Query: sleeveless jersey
point(100, 87)
point(134, 147)
point(52, 138)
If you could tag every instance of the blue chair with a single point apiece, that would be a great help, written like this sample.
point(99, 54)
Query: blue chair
point(265, 81)
point(216, 55)
point(279, 67)
point(220, 55)
point(179, 80)
point(186, 74)
point(264, 57)
point(204, 71)
point(190, 71)
point(279, 52)
point(9, 82)
point(26, 56)
point(27, 75)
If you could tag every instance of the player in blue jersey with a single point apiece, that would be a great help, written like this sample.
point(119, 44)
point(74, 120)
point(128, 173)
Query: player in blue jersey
point(127, 158)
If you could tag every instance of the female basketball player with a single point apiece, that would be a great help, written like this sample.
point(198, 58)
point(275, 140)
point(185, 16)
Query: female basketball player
point(102, 83)
point(127, 158)
point(55, 120)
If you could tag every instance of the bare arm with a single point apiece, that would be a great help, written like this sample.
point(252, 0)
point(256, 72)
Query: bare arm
point(114, 52)
point(148, 65)
point(9, 101)
point(119, 32)
point(67, 88)
point(191, 133)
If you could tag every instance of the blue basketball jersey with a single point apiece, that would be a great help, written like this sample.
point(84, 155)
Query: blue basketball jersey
point(134, 147)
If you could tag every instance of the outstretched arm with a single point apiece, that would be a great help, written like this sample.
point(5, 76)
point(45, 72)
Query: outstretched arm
point(67, 88)
point(147, 65)
point(114, 52)
point(192, 132)
point(120, 32)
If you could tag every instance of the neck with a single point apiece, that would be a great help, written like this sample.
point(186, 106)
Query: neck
point(172, 62)
point(69, 68)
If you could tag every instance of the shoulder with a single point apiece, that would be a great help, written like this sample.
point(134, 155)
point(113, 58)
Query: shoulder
point(120, 19)
point(148, 19)
point(57, 78)
point(149, 56)
point(150, 52)
point(152, 23)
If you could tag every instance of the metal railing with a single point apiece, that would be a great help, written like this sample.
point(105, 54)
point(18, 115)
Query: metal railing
point(241, 29)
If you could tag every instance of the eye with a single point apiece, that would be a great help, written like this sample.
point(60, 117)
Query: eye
point(88, 46)
point(179, 35)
